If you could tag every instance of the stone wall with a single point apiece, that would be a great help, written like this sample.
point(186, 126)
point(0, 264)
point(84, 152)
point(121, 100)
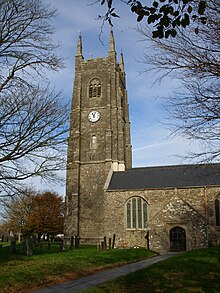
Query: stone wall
point(191, 209)
point(95, 147)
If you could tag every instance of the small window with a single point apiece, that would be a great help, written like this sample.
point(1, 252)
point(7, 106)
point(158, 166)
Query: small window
point(217, 212)
point(136, 213)
point(94, 142)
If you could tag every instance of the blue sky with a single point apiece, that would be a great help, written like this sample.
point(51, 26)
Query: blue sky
point(151, 141)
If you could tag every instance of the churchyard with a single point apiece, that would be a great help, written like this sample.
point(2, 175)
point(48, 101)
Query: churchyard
point(194, 271)
point(22, 273)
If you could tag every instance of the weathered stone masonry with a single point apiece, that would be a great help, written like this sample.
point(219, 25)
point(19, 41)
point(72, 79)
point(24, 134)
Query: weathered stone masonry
point(169, 208)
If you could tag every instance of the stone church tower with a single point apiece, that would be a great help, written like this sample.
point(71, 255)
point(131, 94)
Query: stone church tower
point(163, 208)
point(99, 140)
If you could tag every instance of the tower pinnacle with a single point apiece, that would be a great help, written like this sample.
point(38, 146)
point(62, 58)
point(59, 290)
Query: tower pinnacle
point(79, 46)
point(122, 63)
point(112, 43)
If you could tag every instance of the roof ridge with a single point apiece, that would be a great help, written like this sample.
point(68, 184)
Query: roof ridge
point(173, 176)
point(173, 166)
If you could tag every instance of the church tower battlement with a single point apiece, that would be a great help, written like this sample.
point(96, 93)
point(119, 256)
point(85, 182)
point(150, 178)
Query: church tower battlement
point(99, 140)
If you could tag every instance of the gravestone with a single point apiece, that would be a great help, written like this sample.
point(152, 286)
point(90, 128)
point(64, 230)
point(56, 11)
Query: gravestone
point(109, 243)
point(30, 246)
point(23, 247)
point(13, 246)
point(61, 246)
point(72, 244)
point(113, 241)
point(105, 242)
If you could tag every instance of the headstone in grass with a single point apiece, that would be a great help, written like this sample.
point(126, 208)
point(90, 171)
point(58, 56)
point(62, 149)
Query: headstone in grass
point(23, 247)
point(77, 240)
point(109, 243)
point(13, 246)
point(113, 241)
point(72, 243)
point(102, 245)
point(105, 243)
point(30, 246)
point(61, 246)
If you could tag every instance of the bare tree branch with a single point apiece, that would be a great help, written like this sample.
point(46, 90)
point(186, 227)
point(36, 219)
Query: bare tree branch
point(33, 117)
point(194, 110)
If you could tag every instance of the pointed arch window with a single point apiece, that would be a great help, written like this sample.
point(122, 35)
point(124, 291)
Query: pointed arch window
point(95, 89)
point(217, 212)
point(136, 213)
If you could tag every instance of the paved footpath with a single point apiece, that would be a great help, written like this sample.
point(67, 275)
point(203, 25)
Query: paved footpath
point(101, 277)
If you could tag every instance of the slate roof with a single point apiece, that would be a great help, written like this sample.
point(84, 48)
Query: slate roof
point(176, 176)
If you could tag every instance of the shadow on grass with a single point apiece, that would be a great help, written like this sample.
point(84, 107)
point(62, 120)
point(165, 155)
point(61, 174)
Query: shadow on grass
point(195, 271)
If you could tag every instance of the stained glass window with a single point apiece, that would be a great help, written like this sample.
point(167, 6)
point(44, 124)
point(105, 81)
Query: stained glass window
point(136, 213)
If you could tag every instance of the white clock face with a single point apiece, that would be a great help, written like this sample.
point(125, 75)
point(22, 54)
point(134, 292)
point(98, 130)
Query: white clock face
point(94, 116)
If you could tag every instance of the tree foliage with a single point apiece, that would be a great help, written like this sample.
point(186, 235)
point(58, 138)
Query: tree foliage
point(17, 213)
point(166, 16)
point(34, 213)
point(33, 118)
point(48, 213)
point(194, 110)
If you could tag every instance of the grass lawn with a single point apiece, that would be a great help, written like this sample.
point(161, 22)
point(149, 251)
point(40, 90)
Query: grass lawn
point(194, 271)
point(20, 273)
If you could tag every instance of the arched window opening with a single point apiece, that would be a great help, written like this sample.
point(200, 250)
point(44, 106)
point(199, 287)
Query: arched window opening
point(136, 213)
point(94, 142)
point(217, 212)
point(95, 89)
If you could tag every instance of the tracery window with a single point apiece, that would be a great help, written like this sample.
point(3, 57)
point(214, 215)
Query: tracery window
point(217, 212)
point(136, 213)
point(95, 89)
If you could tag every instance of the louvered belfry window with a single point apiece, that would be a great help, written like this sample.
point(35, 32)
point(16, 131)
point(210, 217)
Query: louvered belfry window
point(95, 89)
